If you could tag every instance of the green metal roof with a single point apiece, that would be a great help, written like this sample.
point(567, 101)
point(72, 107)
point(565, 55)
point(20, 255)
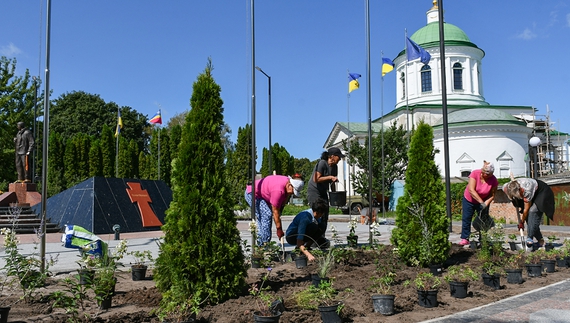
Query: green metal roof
point(479, 116)
point(360, 127)
point(428, 36)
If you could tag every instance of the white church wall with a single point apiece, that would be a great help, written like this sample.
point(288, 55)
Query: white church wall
point(483, 145)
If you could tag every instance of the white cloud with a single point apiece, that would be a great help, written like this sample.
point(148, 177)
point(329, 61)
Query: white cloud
point(10, 50)
point(527, 34)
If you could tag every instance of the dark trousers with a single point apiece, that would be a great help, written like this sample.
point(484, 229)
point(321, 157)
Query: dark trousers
point(312, 233)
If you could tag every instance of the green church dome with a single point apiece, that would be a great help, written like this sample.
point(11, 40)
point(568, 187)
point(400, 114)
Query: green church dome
point(428, 36)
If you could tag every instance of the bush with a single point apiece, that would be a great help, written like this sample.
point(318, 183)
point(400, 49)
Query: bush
point(422, 226)
point(201, 256)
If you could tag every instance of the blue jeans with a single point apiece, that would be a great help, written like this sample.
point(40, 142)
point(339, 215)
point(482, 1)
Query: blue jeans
point(533, 221)
point(467, 216)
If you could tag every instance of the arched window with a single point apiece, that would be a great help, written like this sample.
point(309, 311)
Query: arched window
point(457, 76)
point(426, 78)
point(403, 79)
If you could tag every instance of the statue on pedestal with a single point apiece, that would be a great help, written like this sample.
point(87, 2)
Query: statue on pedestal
point(24, 142)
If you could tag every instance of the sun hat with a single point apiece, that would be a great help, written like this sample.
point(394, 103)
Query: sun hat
point(297, 185)
point(488, 167)
point(334, 151)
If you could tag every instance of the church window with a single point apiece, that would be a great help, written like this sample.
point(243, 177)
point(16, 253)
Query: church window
point(403, 79)
point(426, 78)
point(457, 76)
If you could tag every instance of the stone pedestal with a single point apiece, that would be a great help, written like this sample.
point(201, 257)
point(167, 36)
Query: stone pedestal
point(26, 193)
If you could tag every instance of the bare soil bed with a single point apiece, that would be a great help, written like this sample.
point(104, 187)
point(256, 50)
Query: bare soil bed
point(135, 300)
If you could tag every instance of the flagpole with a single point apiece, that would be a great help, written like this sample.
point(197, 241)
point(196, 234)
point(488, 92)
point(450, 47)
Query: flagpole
point(369, 104)
point(406, 89)
point(382, 127)
point(348, 126)
point(159, 153)
point(117, 145)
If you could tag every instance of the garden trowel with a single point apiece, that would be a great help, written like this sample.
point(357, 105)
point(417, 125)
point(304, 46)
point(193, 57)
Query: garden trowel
point(523, 243)
point(283, 249)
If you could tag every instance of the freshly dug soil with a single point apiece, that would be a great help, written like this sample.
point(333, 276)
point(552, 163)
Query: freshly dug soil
point(135, 300)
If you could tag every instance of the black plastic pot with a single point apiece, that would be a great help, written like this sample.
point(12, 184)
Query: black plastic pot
point(458, 289)
point(383, 304)
point(534, 270)
point(255, 262)
point(561, 262)
point(513, 245)
point(4, 314)
point(493, 281)
point(138, 273)
point(86, 276)
point(337, 198)
point(436, 269)
point(329, 314)
point(352, 241)
point(316, 279)
point(514, 276)
point(427, 298)
point(548, 265)
point(105, 303)
point(266, 319)
point(301, 261)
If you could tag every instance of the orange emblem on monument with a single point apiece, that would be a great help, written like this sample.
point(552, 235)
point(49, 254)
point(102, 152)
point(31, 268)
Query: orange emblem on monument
point(143, 200)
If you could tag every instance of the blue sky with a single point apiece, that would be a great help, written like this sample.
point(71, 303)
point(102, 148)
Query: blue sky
point(146, 53)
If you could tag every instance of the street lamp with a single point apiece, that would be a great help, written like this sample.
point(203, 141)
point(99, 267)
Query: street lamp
point(269, 96)
point(534, 142)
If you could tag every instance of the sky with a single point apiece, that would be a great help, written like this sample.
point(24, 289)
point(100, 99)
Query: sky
point(147, 54)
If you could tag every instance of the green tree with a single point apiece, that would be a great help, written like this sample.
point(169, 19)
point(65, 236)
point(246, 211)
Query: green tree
point(95, 159)
point(17, 96)
point(81, 112)
point(216, 271)
point(282, 162)
point(108, 151)
point(238, 166)
point(422, 227)
point(56, 169)
point(175, 138)
point(393, 167)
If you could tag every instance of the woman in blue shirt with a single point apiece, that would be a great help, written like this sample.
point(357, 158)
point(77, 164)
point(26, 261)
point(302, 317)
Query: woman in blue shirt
point(305, 230)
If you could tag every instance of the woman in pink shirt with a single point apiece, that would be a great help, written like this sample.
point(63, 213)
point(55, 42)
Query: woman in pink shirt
point(478, 195)
point(271, 195)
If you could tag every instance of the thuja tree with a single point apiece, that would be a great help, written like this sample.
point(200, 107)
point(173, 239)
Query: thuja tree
point(201, 257)
point(421, 232)
point(238, 169)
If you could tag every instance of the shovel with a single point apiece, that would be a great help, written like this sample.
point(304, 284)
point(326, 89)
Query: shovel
point(283, 249)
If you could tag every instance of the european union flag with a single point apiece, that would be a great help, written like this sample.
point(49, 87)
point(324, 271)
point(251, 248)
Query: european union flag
point(414, 51)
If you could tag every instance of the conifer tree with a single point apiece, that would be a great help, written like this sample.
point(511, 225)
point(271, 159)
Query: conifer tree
point(238, 165)
point(422, 227)
point(108, 151)
point(201, 256)
point(95, 159)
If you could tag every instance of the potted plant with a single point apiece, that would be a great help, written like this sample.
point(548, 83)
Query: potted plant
point(513, 241)
point(383, 299)
point(514, 266)
point(139, 266)
point(427, 285)
point(324, 298)
point(492, 271)
point(533, 264)
point(550, 243)
point(458, 277)
point(267, 309)
point(548, 259)
point(325, 263)
point(352, 238)
point(104, 286)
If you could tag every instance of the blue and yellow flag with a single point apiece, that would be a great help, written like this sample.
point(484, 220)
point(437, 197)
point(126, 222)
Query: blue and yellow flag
point(387, 66)
point(353, 81)
point(119, 125)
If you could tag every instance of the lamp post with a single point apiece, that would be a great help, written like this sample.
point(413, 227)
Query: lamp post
point(269, 96)
point(534, 142)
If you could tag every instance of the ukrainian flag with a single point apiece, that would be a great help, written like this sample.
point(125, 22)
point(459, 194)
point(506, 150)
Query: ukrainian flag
point(119, 125)
point(353, 82)
point(387, 66)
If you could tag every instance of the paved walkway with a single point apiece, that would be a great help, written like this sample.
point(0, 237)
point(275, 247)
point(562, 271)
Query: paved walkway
point(547, 304)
